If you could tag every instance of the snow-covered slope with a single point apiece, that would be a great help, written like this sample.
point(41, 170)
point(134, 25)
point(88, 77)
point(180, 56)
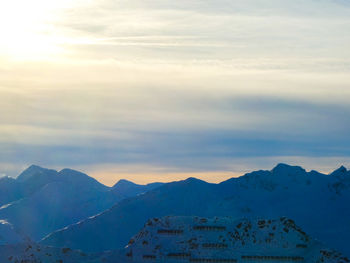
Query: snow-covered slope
point(195, 239)
point(30, 252)
point(51, 200)
point(319, 202)
point(8, 234)
point(112, 228)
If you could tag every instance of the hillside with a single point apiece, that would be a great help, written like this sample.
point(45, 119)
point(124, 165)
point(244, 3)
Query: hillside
point(30, 252)
point(195, 239)
point(9, 235)
point(29, 181)
point(50, 200)
point(284, 191)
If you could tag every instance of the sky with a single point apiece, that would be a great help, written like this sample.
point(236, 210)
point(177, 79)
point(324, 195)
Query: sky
point(163, 90)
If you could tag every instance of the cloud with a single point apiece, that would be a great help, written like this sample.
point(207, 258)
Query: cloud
point(181, 87)
point(205, 30)
point(205, 136)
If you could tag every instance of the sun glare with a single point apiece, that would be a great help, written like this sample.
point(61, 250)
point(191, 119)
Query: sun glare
point(27, 28)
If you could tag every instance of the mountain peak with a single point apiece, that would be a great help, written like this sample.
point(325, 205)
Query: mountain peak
point(34, 170)
point(124, 183)
point(75, 176)
point(193, 180)
point(340, 171)
point(287, 169)
point(35, 167)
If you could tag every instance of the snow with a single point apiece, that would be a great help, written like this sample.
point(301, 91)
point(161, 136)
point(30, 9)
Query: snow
point(195, 239)
point(223, 239)
point(70, 209)
point(41, 201)
point(30, 252)
point(9, 235)
point(284, 191)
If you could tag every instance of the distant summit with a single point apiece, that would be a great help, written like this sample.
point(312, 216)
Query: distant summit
point(128, 188)
point(124, 183)
point(341, 171)
point(35, 170)
point(286, 169)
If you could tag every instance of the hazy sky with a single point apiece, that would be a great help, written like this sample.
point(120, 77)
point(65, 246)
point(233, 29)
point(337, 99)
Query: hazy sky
point(162, 90)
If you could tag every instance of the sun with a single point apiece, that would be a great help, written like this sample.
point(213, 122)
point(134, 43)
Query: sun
point(27, 28)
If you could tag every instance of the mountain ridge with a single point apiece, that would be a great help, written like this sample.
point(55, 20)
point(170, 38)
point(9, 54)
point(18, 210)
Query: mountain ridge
point(43, 200)
point(291, 192)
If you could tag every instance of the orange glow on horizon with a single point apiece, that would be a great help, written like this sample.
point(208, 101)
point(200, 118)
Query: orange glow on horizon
point(111, 178)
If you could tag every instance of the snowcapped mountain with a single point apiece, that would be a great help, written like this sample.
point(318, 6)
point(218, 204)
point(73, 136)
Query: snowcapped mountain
point(195, 239)
point(29, 181)
point(318, 202)
point(49, 200)
point(38, 174)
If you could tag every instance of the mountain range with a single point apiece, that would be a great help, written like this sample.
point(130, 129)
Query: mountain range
point(47, 200)
point(318, 202)
point(69, 209)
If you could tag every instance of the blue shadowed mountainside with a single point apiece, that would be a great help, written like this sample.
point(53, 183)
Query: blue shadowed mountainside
point(40, 201)
point(284, 191)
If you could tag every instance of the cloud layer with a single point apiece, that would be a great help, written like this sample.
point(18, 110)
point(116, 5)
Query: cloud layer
point(182, 87)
